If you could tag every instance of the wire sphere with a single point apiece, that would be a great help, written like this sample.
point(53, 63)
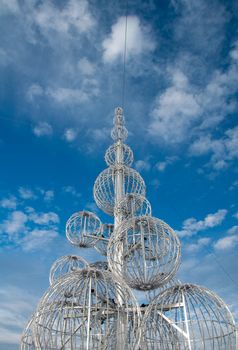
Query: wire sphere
point(102, 243)
point(88, 309)
point(152, 294)
point(99, 265)
point(66, 264)
point(111, 155)
point(83, 229)
point(27, 341)
point(104, 187)
point(133, 205)
point(145, 252)
point(195, 319)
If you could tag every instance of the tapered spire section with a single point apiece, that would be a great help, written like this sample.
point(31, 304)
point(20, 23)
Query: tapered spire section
point(119, 132)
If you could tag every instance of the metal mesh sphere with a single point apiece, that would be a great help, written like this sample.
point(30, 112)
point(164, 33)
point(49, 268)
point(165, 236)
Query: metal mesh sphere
point(111, 155)
point(152, 294)
point(66, 264)
point(99, 265)
point(102, 243)
point(197, 318)
point(133, 205)
point(83, 228)
point(27, 341)
point(104, 187)
point(145, 252)
point(87, 310)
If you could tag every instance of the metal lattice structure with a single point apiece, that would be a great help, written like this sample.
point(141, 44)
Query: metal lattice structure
point(92, 306)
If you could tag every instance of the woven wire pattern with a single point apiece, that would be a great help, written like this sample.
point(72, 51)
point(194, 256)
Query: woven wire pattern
point(102, 242)
point(150, 252)
point(83, 229)
point(104, 187)
point(198, 320)
point(27, 341)
point(64, 265)
point(133, 205)
point(84, 310)
point(111, 154)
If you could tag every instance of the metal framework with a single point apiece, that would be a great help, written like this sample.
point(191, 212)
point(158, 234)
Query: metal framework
point(91, 306)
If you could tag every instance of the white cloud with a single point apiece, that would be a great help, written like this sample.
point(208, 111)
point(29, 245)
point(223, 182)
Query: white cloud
point(139, 40)
point(191, 226)
point(16, 304)
point(226, 243)
point(72, 191)
point(222, 150)
point(175, 111)
point(38, 238)
point(9, 6)
point(74, 14)
point(86, 67)
point(195, 247)
point(44, 218)
point(161, 166)
point(26, 193)
point(48, 195)
point(70, 134)
point(233, 230)
point(141, 165)
point(9, 203)
point(43, 129)
point(14, 224)
point(236, 215)
point(35, 90)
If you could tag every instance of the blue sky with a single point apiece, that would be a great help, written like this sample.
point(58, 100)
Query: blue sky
point(61, 78)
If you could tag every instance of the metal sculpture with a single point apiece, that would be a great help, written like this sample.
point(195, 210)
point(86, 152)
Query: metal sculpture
point(195, 317)
point(64, 265)
point(83, 228)
point(91, 306)
point(88, 309)
point(151, 252)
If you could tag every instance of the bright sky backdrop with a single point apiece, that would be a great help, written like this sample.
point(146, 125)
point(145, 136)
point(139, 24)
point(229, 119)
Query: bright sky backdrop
point(61, 78)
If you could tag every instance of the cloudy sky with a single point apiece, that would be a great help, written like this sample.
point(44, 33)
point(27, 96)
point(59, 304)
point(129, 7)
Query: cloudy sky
point(61, 65)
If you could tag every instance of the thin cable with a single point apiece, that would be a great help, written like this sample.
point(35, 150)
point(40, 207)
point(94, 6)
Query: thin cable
point(124, 59)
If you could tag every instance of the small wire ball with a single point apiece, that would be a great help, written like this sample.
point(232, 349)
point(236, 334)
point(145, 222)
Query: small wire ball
point(27, 341)
point(102, 242)
point(133, 205)
point(145, 252)
point(87, 310)
point(104, 187)
point(195, 319)
point(83, 229)
point(64, 265)
point(110, 156)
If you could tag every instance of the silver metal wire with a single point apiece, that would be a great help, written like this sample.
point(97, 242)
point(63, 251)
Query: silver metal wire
point(188, 317)
point(151, 252)
point(27, 341)
point(83, 310)
point(133, 205)
point(66, 264)
point(99, 265)
point(83, 229)
point(111, 155)
point(102, 242)
point(104, 187)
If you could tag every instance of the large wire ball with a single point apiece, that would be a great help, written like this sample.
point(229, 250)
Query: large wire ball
point(87, 310)
point(195, 319)
point(64, 265)
point(27, 341)
point(133, 205)
point(111, 155)
point(102, 243)
point(145, 252)
point(83, 229)
point(104, 187)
